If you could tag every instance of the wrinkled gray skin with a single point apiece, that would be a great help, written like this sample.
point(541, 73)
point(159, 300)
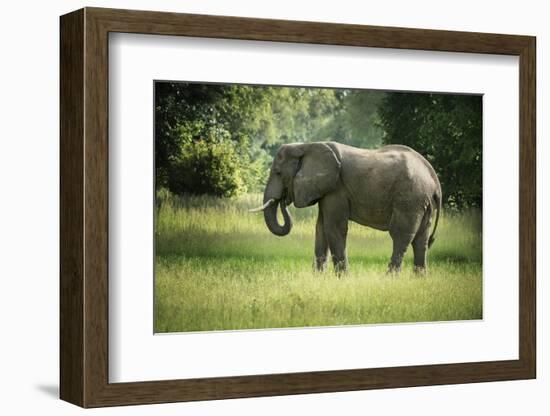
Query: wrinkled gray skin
point(391, 189)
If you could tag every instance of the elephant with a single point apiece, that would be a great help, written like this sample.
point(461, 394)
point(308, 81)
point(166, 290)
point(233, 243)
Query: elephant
point(393, 189)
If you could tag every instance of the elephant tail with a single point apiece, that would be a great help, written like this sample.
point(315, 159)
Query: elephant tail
point(437, 200)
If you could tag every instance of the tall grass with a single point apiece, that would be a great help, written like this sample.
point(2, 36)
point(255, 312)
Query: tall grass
point(218, 267)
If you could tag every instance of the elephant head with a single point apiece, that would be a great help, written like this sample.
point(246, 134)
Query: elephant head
point(301, 173)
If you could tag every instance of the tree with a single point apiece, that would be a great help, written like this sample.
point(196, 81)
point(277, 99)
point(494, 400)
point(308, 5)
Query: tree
point(254, 119)
point(192, 123)
point(447, 130)
point(181, 111)
point(220, 139)
point(359, 120)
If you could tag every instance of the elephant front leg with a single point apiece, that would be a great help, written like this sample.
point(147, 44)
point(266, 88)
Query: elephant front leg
point(336, 236)
point(321, 245)
point(335, 225)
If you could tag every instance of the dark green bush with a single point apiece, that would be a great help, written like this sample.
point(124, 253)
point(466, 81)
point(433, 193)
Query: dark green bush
point(204, 167)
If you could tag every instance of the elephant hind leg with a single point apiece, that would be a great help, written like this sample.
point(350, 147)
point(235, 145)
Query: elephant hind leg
point(420, 244)
point(400, 244)
point(403, 229)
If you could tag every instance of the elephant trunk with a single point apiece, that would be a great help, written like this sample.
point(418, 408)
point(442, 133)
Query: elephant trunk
point(270, 216)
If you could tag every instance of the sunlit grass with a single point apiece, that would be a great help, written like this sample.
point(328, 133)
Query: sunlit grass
point(218, 267)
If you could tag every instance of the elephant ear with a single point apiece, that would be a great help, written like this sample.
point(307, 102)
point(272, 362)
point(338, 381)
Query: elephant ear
point(318, 174)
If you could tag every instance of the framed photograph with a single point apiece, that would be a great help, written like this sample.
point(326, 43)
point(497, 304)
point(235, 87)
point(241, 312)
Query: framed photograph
point(255, 207)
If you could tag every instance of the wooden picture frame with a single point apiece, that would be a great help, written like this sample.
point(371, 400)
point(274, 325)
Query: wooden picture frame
point(84, 207)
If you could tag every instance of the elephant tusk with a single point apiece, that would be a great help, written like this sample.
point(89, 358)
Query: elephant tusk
point(264, 206)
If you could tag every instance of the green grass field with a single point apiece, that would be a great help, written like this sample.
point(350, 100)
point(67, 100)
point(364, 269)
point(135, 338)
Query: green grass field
point(217, 267)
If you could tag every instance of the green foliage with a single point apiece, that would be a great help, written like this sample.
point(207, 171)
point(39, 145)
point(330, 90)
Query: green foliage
point(255, 121)
point(355, 121)
point(197, 123)
point(218, 268)
point(238, 129)
point(447, 130)
point(206, 167)
point(180, 115)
